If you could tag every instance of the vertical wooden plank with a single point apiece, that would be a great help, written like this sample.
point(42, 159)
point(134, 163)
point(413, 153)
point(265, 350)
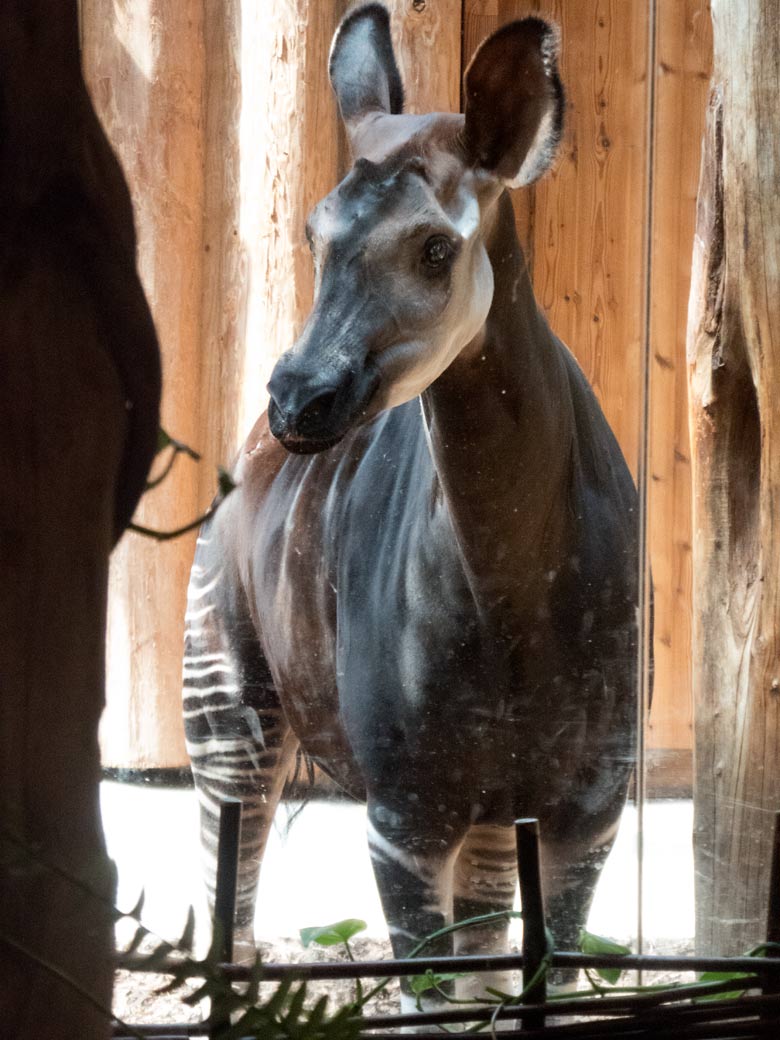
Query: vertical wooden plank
point(427, 41)
point(581, 229)
point(589, 215)
point(684, 56)
point(289, 159)
point(225, 120)
point(222, 252)
point(144, 65)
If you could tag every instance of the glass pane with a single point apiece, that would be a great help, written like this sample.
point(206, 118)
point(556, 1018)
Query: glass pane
point(390, 643)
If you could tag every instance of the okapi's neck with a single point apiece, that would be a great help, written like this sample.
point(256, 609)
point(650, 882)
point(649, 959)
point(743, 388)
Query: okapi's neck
point(501, 428)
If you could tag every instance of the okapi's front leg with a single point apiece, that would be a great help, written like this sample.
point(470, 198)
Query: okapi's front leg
point(485, 882)
point(238, 738)
point(413, 862)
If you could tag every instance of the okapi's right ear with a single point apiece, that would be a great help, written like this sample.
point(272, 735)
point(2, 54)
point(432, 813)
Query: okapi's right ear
point(362, 66)
point(515, 102)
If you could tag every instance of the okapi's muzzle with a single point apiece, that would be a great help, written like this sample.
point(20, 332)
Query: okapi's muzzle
point(312, 409)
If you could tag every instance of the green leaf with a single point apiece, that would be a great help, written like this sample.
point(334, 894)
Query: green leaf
point(430, 980)
point(597, 945)
point(726, 976)
point(163, 440)
point(317, 1014)
point(278, 1000)
point(721, 976)
point(293, 1014)
point(333, 934)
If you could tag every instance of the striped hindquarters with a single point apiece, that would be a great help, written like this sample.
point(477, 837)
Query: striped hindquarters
point(237, 737)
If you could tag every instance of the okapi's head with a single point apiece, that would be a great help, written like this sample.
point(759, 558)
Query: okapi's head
point(403, 279)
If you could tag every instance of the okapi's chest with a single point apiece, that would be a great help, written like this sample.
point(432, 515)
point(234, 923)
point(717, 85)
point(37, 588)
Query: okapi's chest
point(384, 660)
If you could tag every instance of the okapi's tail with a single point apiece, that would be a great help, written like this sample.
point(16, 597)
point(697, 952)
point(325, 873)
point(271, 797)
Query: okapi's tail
point(237, 737)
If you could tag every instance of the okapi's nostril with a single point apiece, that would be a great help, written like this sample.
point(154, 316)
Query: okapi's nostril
point(314, 414)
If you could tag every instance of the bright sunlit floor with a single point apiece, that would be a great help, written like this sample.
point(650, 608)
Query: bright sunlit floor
point(319, 872)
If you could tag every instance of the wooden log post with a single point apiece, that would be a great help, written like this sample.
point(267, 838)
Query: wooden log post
point(79, 394)
point(224, 120)
point(145, 67)
point(734, 358)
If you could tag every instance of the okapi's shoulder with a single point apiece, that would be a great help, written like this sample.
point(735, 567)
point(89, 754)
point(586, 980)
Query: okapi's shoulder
point(260, 458)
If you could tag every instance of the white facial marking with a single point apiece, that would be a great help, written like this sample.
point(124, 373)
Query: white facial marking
point(329, 223)
point(467, 223)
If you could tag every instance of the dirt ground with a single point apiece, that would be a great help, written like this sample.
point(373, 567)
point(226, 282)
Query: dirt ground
point(136, 1000)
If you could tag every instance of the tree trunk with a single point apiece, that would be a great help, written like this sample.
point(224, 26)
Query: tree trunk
point(734, 358)
point(79, 392)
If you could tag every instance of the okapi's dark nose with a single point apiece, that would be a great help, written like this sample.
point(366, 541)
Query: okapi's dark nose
point(313, 417)
point(303, 407)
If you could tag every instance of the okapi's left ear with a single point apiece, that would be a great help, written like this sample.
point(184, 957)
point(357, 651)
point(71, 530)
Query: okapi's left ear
point(362, 66)
point(515, 102)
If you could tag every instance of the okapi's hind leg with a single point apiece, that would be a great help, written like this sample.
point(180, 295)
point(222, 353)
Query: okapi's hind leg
point(238, 739)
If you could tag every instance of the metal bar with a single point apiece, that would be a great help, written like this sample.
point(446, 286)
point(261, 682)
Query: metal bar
point(749, 1030)
point(645, 584)
point(606, 1008)
point(275, 972)
point(225, 895)
point(534, 925)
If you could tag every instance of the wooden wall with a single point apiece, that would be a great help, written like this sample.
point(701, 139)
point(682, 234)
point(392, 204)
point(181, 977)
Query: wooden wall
point(683, 67)
point(224, 120)
point(583, 228)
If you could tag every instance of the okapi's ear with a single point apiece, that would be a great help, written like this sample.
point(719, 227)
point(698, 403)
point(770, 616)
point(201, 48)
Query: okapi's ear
point(515, 102)
point(362, 66)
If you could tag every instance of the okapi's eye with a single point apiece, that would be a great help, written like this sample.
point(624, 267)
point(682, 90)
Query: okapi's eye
point(438, 250)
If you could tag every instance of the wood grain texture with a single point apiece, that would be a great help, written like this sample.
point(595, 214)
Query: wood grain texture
point(588, 262)
point(734, 355)
point(222, 252)
point(586, 218)
point(289, 158)
point(145, 68)
point(582, 231)
point(684, 63)
point(427, 41)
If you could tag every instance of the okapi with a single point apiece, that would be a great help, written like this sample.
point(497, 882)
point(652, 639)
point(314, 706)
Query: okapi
point(427, 576)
